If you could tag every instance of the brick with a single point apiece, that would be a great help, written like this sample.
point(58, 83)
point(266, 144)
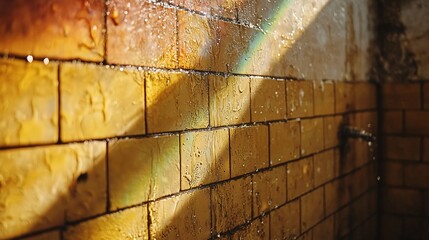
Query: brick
point(55, 29)
point(197, 50)
point(258, 229)
point(325, 229)
point(365, 96)
point(176, 101)
point(338, 166)
point(366, 120)
point(229, 100)
point(230, 8)
point(204, 157)
point(262, 13)
point(324, 164)
point(214, 45)
point(53, 235)
point(345, 157)
point(366, 230)
point(391, 227)
point(97, 102)
point(402, 148)
point(392, 122)
point(361, 209)
point(135, 29)
point(268, 101)
point(337, 194)
point(235, 43)
point(344, 97)
point(354, 214)
point(28, 103)
point(393, 173)
point(196, 5)
point(426, 201)
point(47, 180)
point(311, 136)
point(285, 50)
point(143, 169)
point(426, 150)
point(373, 201)
point(186, 216)
point(416, 175)
point(285, 221)
point(223, 8)
point(402, 201)
point(312, 209)
point(300, 177)
point(246, 10)
point(344, 221)
point(331, 128)
point(363, 152)
point(130, 223)
point(249, 149)
point(323, 98)
point(359, 181)
point(306, 236)
point(88, 194)
point(413, 227)
point(269, 190)
point(426, 96)
point(285, 141)
point(299, 99)
point(401, 96)
point(231, 204)
point(416, 122)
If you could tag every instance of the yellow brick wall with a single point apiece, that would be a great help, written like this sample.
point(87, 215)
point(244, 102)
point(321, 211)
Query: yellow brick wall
point(182, 119)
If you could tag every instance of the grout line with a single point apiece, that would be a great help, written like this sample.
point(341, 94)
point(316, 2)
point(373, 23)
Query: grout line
point(229, 153)
point(59, 104)
point(422, 93)
point(167, 70)
point(149, 221)
point(209, 16)
point(180, 163)
point(145, 103)
point(108, 203)
point(105, 31)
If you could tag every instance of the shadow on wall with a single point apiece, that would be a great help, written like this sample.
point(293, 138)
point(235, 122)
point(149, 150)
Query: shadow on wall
point(149, 167)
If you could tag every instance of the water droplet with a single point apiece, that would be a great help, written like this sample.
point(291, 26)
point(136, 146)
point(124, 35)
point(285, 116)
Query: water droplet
point(29, 58)
point(46, 61)
point(378, 178)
